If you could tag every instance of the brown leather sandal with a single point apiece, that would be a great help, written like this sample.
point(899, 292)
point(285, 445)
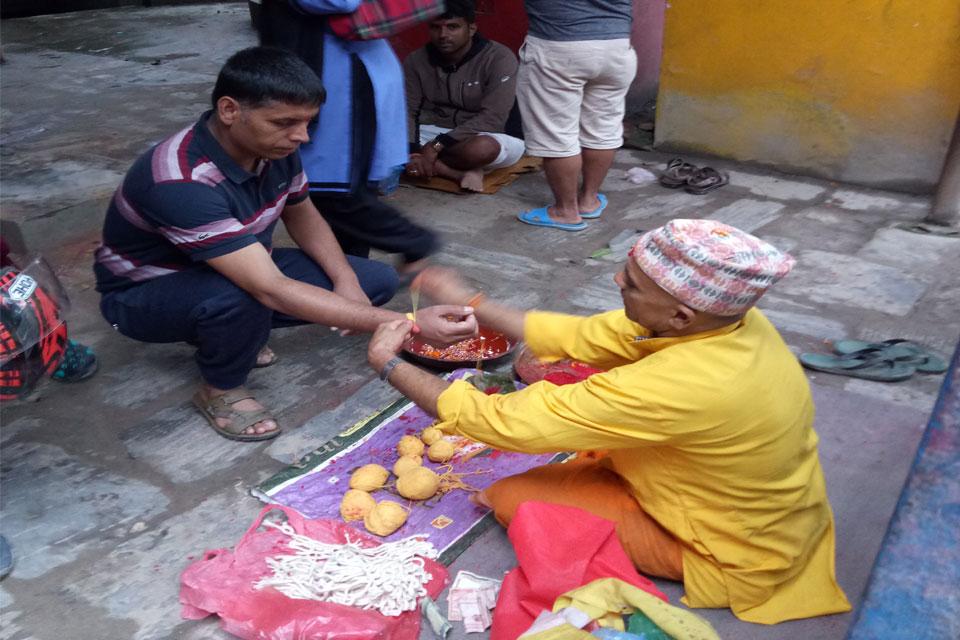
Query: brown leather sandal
point(222, 407)
point(705, 180)
point(677, 173)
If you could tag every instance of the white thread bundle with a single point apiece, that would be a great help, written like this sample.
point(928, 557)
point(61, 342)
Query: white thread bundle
point(389, 578)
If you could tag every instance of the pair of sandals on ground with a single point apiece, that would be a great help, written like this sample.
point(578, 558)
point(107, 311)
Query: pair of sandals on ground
point(693, 179)
point(887, 361)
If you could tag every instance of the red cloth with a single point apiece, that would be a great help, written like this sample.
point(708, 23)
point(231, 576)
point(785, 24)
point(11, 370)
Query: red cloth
point(221, 583)
point(558, 548)
point(375, 19)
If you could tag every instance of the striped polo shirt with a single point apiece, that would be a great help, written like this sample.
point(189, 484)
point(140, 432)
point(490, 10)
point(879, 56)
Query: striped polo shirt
point(186, 201)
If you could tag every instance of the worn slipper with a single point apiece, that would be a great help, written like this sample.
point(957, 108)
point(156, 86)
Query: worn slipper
point(929, 228)
point(897, 349)
point(877, 369)
point(222, 407)
point(677, 173)
point(540, 218)
point(590, 215)
point(704, 180)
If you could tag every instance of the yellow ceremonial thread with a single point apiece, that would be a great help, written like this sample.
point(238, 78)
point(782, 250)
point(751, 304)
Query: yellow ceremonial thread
point(369, 477)
point(410, 446)
point(356, 504)
point(418, 483)
point(451, 480)
point(430, 435)
point(406, 463)
point(385, 518)
point(441, 451)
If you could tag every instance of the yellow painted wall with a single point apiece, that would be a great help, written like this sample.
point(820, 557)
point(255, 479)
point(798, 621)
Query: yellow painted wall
point(863, 91)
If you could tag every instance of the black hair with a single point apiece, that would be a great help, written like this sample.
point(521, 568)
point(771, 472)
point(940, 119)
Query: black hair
point(465, 9)
point(258, 75)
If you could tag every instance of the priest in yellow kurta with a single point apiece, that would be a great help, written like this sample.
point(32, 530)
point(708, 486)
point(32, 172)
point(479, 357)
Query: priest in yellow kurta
point(703, 418)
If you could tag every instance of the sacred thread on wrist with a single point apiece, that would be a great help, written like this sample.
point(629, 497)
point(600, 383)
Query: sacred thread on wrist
point(476, 299)
point(388, 367)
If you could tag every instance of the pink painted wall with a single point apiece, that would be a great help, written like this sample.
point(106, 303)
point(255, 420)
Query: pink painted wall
point(647, 40)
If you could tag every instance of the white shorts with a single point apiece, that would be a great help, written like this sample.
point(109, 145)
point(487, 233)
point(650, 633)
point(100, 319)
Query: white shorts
point(572, 95)
point(511, 149)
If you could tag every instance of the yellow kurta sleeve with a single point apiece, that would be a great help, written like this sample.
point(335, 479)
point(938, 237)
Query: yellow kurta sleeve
point(619, 409)
point(604, 340)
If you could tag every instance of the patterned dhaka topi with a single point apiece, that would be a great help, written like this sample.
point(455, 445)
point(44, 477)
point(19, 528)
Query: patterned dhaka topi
point(710, 266)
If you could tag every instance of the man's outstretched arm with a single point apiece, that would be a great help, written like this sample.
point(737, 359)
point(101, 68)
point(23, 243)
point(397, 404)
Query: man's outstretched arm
point(253, 270)
point(410, 380)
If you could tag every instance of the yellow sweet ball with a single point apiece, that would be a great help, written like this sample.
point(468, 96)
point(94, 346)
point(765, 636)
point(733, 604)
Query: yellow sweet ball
point(431, 435)
point(385, 518)
point(356, 504)
point(410, 446)
point(418, 484)
point(369, 477)
point(406, 463)
point(441, 451)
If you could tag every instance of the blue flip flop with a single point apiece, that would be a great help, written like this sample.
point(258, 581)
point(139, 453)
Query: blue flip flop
point(590, 215)
point(540, 218)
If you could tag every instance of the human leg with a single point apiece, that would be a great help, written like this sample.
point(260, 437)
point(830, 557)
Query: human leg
point(562, 176)
point(361, 221)
point(549, 92)
point(464, 162)
point(591, 486)
point(596, 164)
point(203, 308)
point(614, 64)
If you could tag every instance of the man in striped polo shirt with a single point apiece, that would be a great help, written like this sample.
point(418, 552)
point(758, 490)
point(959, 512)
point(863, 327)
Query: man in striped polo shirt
point(187, 250)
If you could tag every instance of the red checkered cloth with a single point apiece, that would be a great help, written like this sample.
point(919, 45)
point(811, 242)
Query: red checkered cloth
point(375, 19)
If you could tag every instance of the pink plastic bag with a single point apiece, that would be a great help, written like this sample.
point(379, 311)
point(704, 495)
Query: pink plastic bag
point(558, 549)
point(222, 584)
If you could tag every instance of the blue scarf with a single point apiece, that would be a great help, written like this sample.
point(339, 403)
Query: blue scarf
point(328, 158)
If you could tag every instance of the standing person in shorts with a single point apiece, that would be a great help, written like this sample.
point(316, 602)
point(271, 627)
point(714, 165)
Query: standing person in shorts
point(576, 65)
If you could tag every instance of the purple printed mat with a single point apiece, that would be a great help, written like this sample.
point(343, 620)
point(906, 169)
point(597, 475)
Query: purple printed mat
point(315, 485)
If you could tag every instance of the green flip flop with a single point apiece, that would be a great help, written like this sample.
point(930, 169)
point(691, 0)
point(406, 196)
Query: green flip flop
point(875, 368)
point(905, 351)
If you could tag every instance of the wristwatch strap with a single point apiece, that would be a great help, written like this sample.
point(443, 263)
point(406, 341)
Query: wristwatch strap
point(390, 366)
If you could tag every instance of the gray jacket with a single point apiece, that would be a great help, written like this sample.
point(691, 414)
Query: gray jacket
point(471, 97)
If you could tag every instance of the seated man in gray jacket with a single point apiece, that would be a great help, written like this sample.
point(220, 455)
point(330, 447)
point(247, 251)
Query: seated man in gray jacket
point(460, 90)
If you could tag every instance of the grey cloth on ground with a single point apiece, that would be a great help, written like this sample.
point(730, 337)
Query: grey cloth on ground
point(580, 19)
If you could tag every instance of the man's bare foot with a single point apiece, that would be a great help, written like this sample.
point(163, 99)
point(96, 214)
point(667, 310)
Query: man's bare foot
point(568, 217)
point(588, 203)
point(472, 180)
point(217, 407)
point(265, 357)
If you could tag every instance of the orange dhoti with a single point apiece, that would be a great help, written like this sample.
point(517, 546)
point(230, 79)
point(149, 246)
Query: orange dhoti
point(588, 484)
